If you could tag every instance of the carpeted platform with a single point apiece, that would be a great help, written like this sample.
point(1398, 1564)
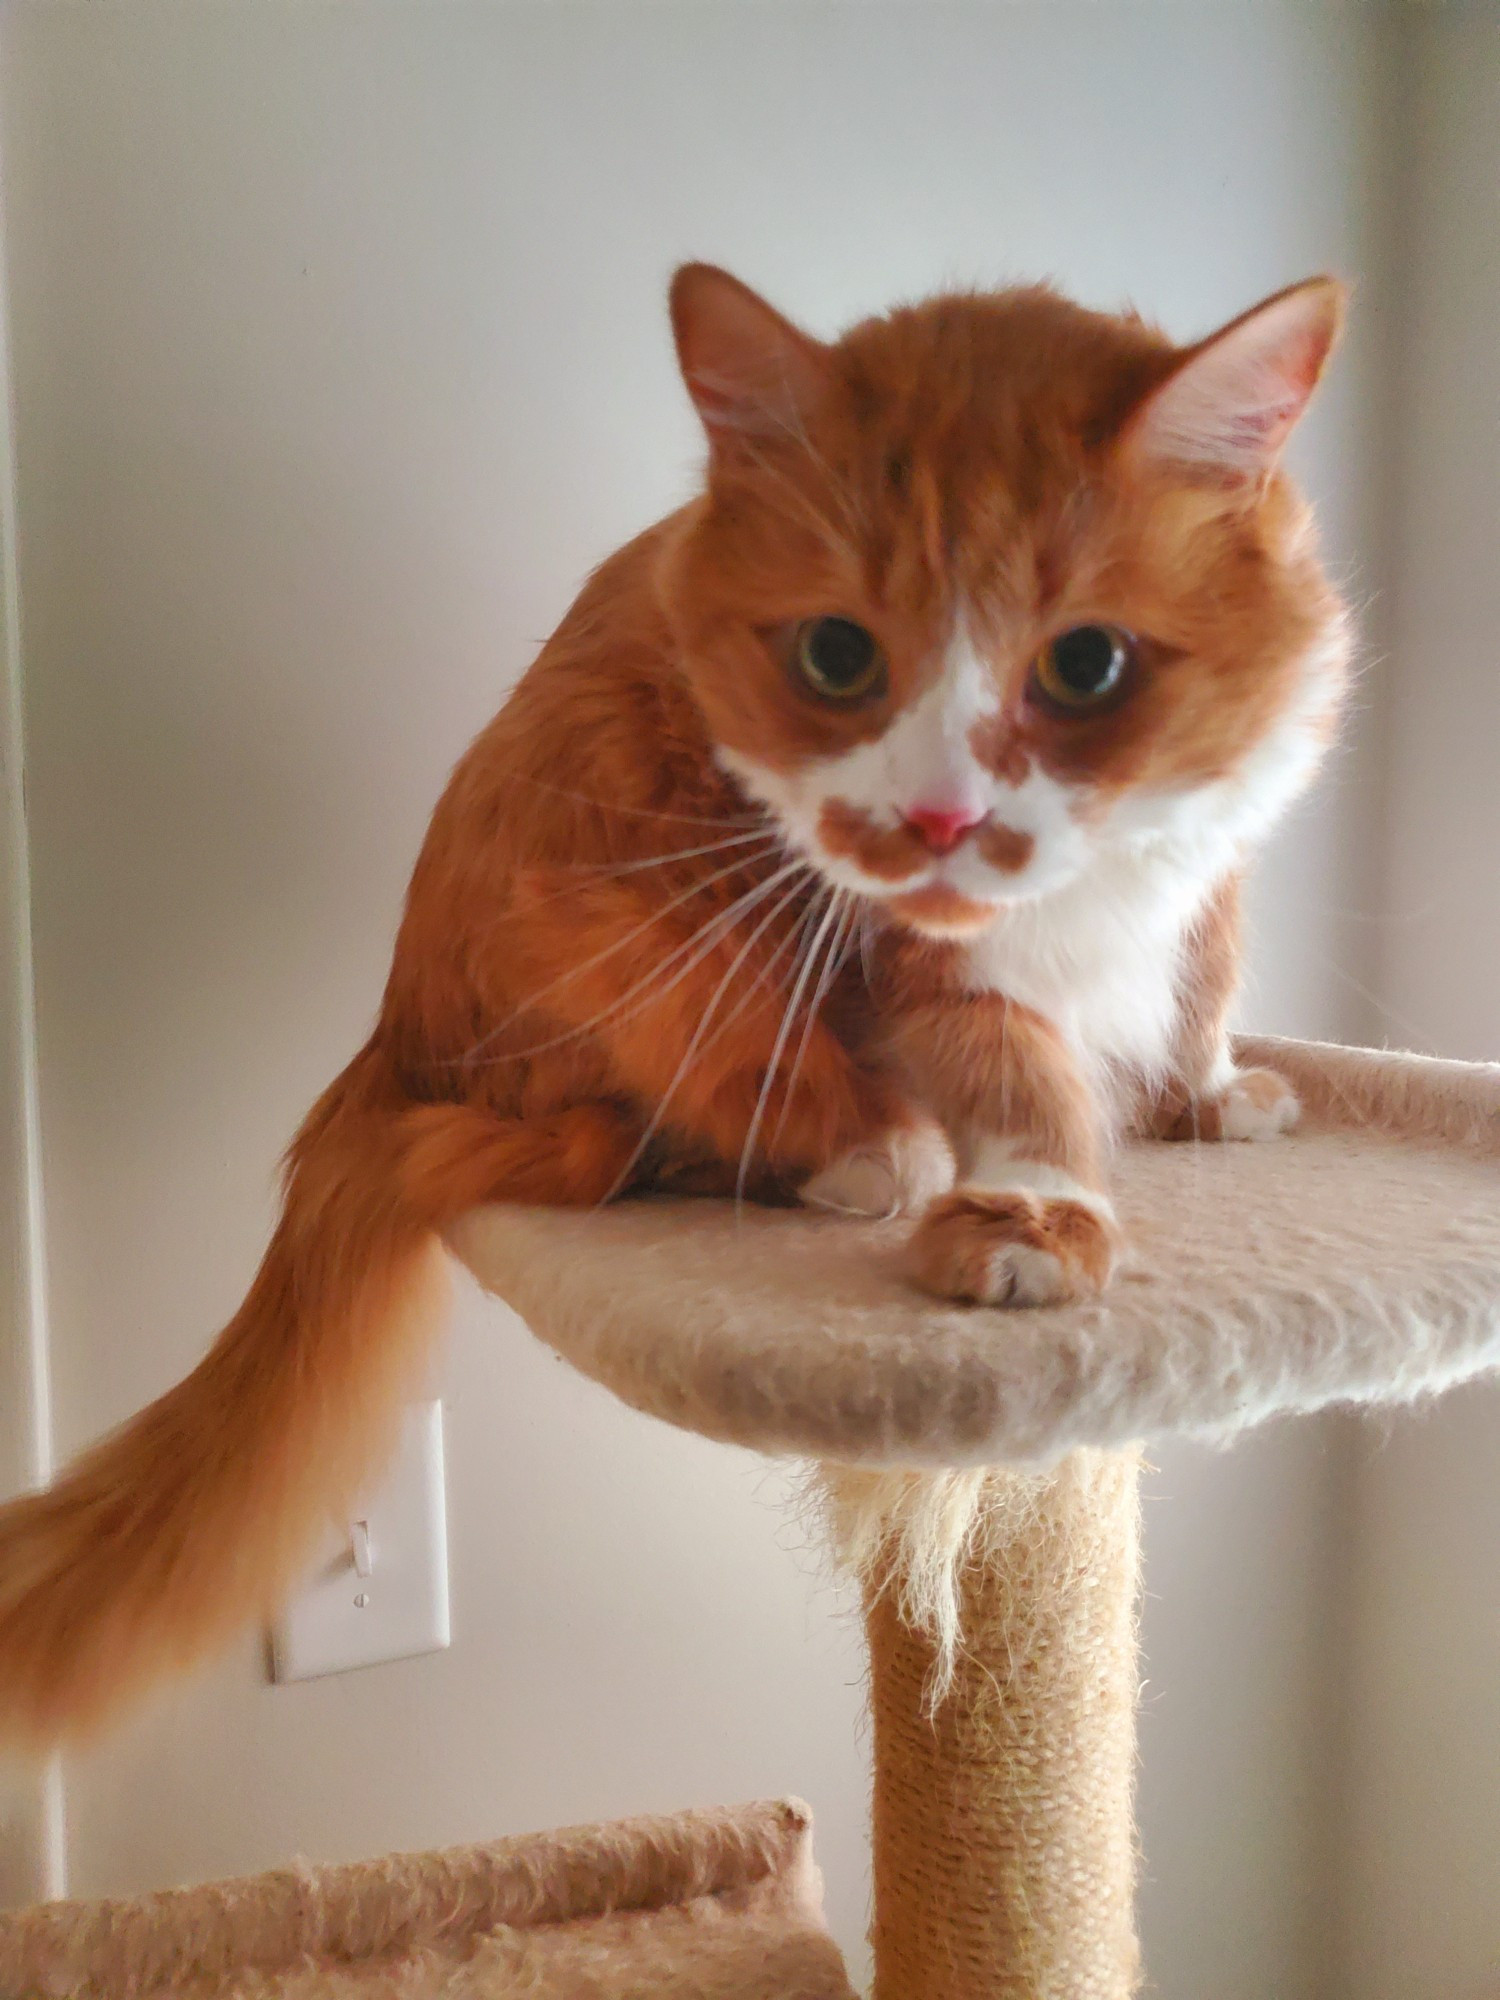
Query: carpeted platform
point(1356, 1260)
point(715, 1905)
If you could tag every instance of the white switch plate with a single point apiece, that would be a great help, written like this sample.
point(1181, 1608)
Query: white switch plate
point(327, 1629)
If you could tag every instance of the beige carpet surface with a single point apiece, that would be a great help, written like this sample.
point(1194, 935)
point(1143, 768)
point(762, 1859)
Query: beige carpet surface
point(1357, 1260)
point(722, 1905)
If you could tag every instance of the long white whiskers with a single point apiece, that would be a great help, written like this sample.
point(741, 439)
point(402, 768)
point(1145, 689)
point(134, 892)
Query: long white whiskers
point(809, 960)
point(576, 971)
point(762, 841)
point(832, 960)
point(613, 868)
point(665, 1097)
point(695, 948)
point(867, 945)
point(793, 938)
point(633, 812)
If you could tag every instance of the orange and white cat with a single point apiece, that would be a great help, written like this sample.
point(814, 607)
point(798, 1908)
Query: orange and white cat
point(869, 832)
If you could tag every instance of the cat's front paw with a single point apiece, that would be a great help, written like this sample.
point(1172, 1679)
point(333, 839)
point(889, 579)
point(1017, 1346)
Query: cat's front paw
point(1255, 1104)
point(898, 1174)
point(1012, 1248)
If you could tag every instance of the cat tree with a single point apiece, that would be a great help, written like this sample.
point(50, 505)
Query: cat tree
point(1355, 1262)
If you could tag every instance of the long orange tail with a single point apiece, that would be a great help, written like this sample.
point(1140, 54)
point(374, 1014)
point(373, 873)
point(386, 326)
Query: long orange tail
point(196, 1517)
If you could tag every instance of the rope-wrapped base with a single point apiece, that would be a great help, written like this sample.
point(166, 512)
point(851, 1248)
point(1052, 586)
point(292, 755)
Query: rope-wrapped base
point(1003, 1826)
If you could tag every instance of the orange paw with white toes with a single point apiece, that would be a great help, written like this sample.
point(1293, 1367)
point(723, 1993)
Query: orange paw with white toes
point(1012, 1248)
point(1254, 1104)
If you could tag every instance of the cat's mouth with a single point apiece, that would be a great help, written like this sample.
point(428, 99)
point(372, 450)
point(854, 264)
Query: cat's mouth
point(948, 886)
point(941, 910)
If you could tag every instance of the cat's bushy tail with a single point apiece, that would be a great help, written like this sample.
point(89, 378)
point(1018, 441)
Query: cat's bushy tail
point(196, 1517)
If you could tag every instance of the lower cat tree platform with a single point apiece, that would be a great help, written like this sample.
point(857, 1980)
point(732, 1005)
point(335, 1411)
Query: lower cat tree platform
point(1357, 1261)
point(699, 1906)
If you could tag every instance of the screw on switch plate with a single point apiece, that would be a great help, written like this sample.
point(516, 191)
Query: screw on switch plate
point(382, 1592)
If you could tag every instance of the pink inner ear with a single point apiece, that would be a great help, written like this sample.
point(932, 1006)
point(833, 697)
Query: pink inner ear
point(745, 366)
point(1250, 433)
point(736, 403)
point(1232, 402)
point(718, 402)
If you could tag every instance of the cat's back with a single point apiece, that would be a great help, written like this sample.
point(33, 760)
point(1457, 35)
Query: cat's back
point(597, 730)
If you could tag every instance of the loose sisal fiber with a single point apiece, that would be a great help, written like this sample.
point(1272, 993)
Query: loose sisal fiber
point(1003, 1825)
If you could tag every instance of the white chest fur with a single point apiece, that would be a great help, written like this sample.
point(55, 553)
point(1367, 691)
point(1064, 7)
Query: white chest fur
point(1101, 958)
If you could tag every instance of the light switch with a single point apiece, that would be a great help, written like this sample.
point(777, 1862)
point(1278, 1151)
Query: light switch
point(381, 1591)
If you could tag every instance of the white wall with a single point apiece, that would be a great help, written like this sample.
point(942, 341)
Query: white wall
point(1422, 1821)
point(340, 356)
point(30, 1823)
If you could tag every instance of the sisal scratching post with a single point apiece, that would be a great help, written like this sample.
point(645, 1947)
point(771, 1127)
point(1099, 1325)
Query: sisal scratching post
point(1357, 1261)
point(1003, 1832)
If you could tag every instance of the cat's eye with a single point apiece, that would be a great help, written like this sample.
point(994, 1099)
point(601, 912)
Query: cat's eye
point(1082, 667)
point(838, 659)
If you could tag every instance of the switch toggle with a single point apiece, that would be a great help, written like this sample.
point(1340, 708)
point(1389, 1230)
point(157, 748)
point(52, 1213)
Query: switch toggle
point(383, 1595)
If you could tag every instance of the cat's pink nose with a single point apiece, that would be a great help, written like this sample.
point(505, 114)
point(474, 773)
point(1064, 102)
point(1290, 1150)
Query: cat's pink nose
point(942, 827)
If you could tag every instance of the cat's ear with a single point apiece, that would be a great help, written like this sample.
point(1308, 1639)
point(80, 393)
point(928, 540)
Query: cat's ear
point(1229, 404)
point(746, 367)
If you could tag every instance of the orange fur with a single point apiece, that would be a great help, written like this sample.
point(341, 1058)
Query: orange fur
point(1185, 1107)
point(595, 984)
point(1017, 498)
point(959, 1251)
point(987, 1066)
point(892, 853)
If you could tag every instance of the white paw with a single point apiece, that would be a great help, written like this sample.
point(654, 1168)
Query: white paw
point(1258, 1104)
point(898, 1176)
point(1021, 1276)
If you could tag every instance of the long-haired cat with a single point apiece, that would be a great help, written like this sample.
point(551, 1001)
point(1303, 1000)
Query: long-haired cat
point(869, 832)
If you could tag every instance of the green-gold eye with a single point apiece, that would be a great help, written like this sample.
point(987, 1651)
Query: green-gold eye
point(1083, 667)
point(839, 660)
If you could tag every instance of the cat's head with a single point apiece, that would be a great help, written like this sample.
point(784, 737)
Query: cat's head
point(994, 584)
